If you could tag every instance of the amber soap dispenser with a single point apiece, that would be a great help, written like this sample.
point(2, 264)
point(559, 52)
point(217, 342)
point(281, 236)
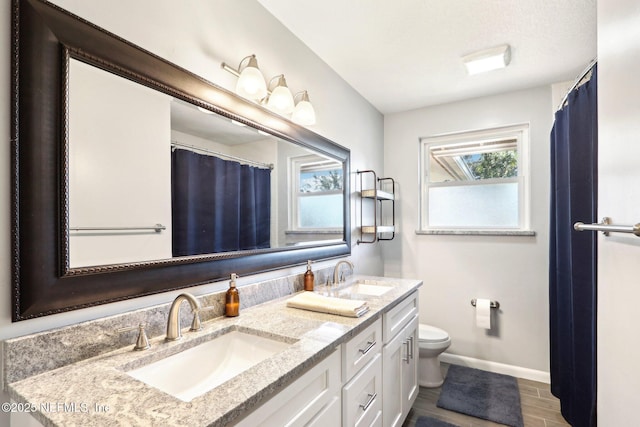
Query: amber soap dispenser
point(232, 299)
point(308, 278)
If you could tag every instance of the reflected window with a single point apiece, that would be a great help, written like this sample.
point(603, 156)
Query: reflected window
point(317, 196)
point(475, 180)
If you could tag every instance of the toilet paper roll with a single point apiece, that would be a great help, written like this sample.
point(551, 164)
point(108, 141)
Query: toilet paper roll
point(483, 313)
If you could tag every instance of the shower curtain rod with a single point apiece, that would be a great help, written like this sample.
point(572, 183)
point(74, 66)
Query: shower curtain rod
point(228, 156)
point(575, 84)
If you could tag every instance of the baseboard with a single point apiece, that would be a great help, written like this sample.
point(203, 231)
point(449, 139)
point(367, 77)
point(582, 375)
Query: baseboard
point(499, 368)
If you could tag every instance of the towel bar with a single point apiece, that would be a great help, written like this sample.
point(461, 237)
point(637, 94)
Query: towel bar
point(606, 227)
point(157, 228)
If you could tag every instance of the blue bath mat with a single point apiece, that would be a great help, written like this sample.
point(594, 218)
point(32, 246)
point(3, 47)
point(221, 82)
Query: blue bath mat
point(482, 394)
point(432, 422)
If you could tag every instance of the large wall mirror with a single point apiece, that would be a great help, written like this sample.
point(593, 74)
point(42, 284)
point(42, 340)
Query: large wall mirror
point(133, 176)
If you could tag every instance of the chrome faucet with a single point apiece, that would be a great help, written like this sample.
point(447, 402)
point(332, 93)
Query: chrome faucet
point(173, 321)
point(336, 270)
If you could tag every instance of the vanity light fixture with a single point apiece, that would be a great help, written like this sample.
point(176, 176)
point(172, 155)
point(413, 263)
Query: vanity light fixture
point(303, 113)
point(487, 60)
point(281, 99)
point(250, 84)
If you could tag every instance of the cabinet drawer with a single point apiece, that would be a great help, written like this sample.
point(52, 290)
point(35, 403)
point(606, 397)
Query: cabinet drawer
point(314, 395)
point(362, 396)
point(395, 319)
point(361, 349)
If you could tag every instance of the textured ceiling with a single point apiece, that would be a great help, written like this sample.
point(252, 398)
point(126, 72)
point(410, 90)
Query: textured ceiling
point(406, 54)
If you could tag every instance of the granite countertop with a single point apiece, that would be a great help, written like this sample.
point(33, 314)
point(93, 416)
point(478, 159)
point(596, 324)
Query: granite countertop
point(98, 391)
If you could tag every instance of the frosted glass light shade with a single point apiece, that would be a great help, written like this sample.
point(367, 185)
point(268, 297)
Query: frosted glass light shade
point(281, 99)
point(303, 113)
point(251, 84)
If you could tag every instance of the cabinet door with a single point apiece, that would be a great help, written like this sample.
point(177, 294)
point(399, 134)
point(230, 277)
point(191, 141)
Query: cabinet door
point(329, 416)
point(410, 368)
point(400, 375)
point(393, 355)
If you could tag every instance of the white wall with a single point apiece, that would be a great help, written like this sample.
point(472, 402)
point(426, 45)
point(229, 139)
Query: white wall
point(454, 268)
point(198, 35)
point(119, 168)
point(618, 198)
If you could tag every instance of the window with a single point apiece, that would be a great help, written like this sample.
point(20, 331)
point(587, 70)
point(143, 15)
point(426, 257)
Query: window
point(317, 197)
point(475, 182)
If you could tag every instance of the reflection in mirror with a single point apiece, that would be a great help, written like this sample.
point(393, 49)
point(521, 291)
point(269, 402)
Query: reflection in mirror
point(152, 177)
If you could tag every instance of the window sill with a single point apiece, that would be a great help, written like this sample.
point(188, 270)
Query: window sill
point(323, 231)
point(525, 233)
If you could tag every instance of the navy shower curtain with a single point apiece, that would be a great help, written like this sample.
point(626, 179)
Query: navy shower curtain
point(572, 258)
point(218, 205)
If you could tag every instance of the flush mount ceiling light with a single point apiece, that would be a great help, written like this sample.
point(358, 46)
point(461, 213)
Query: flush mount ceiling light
point(487, 60)
point(303, 113)
point(250, 84)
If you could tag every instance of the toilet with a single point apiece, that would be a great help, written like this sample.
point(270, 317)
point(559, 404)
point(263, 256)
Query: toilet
point(432, 341)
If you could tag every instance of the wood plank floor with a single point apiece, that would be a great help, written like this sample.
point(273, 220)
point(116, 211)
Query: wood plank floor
point(539, 407)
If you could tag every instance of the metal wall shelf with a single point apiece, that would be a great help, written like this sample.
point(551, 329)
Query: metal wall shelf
point(377, 231)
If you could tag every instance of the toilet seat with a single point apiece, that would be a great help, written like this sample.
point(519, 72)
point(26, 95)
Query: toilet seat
point(431, 334)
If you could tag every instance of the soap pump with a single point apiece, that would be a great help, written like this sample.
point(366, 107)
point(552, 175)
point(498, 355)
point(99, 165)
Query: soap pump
point(308, 278)
point(232, 299)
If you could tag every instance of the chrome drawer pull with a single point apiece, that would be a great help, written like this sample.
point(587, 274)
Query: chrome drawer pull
point(411, 346)
point(406, 342)
point(372, 397)
point(370, 345)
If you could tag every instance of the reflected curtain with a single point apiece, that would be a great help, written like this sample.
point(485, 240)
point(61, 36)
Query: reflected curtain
point(573, 255)
point(218, 205)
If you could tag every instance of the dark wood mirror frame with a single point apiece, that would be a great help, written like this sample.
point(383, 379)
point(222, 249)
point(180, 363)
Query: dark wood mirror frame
point(44, 38)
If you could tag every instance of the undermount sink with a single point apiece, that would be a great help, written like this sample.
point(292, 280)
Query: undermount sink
point(202, 368)
point(366, 287)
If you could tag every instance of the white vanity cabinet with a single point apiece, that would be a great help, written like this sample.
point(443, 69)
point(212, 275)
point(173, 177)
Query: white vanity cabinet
point(400, 361)
point(311, 400)
point(371, 380)
point(362, 378)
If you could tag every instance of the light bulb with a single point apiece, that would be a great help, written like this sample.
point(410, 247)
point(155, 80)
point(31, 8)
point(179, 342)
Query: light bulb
point(304, 113)
point(251, 84)
point(281, 99)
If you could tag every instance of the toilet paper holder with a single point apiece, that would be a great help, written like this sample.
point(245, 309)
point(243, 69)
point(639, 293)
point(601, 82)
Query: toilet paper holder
point(493, 304)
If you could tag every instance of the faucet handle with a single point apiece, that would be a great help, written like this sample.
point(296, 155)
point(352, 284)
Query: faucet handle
point(196, 324)
point(142, 342)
